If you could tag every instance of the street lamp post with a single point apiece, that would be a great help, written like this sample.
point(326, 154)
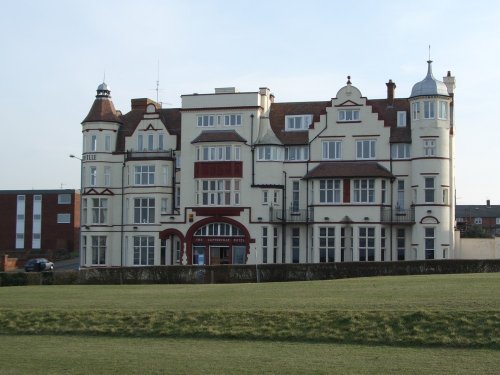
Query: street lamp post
point(81, 208)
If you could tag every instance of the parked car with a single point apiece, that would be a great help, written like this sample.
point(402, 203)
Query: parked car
point(38, 264)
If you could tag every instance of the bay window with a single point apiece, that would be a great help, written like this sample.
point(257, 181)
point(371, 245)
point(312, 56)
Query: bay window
point(364, 191)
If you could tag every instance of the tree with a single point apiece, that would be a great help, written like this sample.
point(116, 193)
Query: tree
point(476, 231)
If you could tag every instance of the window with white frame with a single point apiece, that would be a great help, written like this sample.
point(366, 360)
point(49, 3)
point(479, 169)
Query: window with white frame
point(214, 153)
point(429, 109)
point(366, 244)
point(84, 211)
point(220, 192)
point(364, 190)
point(37, 221)
point(401, 243)
point(295, 196)
point(107, 176)
point(265, 197)
point(161, 142)
point(365, 149)
point(144, 210)
point(93, 142)
point(400, 150)
point(264, 244)
point(348, 115)
point(164, 205)
point(93, 176)
point(205, 120)
point(107, 143)
point(20, 221)
point(64, 198)
point(326, 244)
point(144, 250)
point(140, 142)
point(478, 220)
point(429, 242)
point(415, 110)
point(144, 175)
point(329, 191)
point(401, 119)
point(295, 245)
point(445, 196)
point(383, 191)
point(429, 190)
point(400, 201)
point(298, 122)
point(63, 218)
point(270, 153)
point(177, 197)
point(164, 175)
point(332, 150)
point(98, 244)
point(276, 197)
point(429, 147)
point(232, 120)
point(275, 245)
point(443, 110)
point(237, 152)
point(150, 140)
point(99, 210)
point(497, 222)
point(219, 230)
point(296, 153)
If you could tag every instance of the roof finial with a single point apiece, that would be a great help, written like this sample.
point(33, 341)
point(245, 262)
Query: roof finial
point(348, 80)
point(104, 77)
point(429, 52)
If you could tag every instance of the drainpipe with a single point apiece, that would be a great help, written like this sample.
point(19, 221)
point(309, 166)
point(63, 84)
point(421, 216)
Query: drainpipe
point(174, 172)
point(283, 216)
point(122, 218)
point(391, 210)
point(252, 149)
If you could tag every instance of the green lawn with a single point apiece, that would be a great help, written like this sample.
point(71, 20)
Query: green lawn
point(103, 355)
point(465, 292)
point(407, 324)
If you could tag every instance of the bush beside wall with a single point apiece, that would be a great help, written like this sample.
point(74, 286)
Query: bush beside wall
point(246, 273)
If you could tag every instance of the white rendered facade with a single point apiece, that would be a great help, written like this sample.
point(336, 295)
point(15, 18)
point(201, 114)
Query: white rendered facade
point(235, 177)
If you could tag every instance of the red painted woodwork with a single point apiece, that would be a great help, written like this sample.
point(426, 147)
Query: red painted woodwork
point(218, 211)
point(216, 169)
point(347, 190)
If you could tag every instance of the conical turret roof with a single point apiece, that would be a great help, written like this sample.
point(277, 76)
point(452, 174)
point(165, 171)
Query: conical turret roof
point(429, 85)
point(103, 109)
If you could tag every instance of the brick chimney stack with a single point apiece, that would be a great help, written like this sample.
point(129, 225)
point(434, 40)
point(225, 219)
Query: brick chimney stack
point(391, 87)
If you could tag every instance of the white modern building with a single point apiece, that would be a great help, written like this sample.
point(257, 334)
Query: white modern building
point(237, 177)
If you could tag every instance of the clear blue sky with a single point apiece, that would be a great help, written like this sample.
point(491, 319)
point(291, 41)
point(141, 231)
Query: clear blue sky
point(54, 54)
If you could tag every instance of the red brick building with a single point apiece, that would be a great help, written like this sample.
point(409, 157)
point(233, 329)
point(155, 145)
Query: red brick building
point(39, 223)
point(485, 216)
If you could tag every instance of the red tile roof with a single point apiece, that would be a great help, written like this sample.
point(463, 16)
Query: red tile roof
point(349, 169)
point(102, 110)
point(219, 136)
point(280, 110)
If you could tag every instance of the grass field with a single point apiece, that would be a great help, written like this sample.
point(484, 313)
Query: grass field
point(442, 323)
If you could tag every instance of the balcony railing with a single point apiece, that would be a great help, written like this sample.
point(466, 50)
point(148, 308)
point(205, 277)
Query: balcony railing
point(399, 216)
point(290, 216)
point(155, 154)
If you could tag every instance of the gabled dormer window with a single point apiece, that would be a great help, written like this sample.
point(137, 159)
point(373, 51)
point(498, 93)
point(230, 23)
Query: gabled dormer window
point(401, 119)
point(348, 115)
point(299, 122)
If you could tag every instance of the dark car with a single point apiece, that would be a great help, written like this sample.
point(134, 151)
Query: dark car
point(38, 264)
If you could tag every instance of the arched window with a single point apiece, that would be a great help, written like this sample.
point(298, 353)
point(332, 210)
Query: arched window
point(219, 230)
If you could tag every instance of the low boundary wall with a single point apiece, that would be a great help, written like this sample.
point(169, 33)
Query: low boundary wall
point(246, 273)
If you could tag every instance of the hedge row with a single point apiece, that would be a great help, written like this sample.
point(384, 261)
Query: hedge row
point(246, 273)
